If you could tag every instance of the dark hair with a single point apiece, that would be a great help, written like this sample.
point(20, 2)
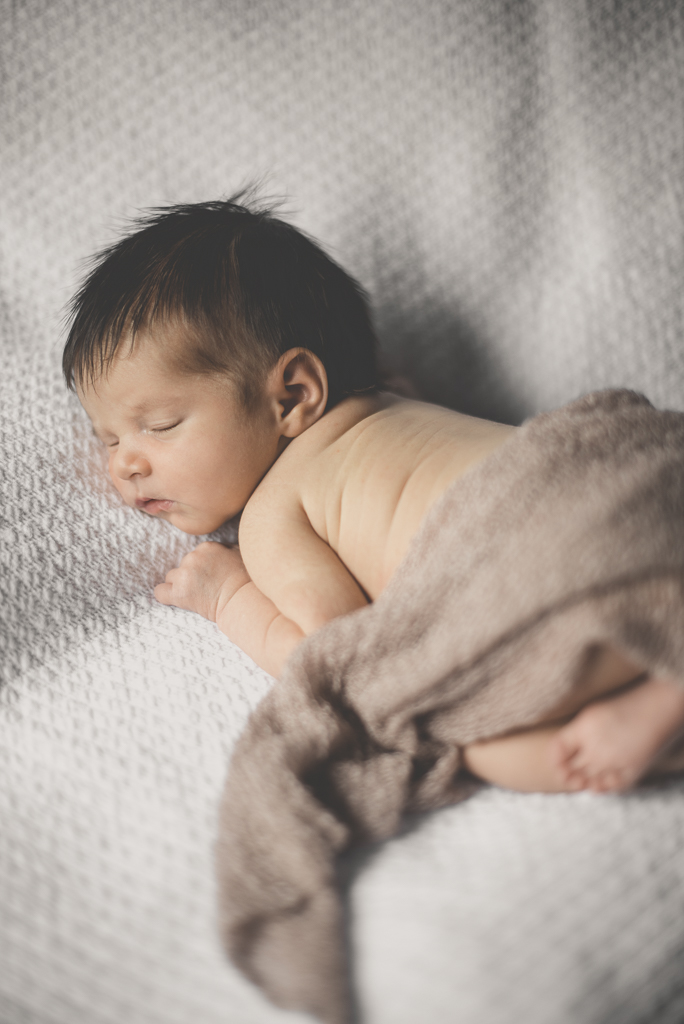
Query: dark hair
point(246, 285)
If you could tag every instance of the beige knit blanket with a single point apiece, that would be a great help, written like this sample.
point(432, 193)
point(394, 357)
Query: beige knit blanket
point(570, 535)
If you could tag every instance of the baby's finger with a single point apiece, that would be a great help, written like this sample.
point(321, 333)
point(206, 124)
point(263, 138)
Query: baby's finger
point(162, 592)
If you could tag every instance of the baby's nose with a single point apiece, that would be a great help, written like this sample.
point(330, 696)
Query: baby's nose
point(126, 464)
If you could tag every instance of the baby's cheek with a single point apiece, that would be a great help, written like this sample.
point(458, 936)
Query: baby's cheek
point(117, 481)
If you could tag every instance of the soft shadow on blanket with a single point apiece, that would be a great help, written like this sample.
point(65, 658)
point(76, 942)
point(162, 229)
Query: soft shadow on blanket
point(570, 535)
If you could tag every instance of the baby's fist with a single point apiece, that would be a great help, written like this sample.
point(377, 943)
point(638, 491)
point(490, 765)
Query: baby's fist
point(205, 580)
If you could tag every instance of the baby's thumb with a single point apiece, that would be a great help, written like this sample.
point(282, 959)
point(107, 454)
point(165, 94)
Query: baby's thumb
point(162, 592)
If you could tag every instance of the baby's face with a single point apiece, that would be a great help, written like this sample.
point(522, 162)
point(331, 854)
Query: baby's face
point(181, 446)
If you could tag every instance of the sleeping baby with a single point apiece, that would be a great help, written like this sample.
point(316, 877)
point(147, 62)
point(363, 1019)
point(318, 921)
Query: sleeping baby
point(229, 365)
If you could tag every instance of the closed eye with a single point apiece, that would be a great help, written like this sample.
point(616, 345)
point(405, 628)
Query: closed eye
point(163, 430)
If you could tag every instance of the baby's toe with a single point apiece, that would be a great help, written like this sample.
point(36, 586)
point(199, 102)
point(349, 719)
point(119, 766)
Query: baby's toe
point(576, 781)
point(579, 761)
point(599, 783)
point(609, 781)
point(626, 778)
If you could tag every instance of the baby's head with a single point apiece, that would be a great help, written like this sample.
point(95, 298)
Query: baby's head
point(201, 343)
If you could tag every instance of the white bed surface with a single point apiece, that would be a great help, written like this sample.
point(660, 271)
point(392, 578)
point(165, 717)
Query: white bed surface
point(504, 179)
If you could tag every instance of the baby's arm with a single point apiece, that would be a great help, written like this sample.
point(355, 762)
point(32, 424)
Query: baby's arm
point(307, 584)
point(212, 580)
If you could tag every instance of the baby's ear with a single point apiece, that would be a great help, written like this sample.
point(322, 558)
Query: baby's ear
point(299, 386)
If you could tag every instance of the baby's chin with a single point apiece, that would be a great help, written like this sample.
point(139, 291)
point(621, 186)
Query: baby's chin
point(194, 529)
point(195, 526)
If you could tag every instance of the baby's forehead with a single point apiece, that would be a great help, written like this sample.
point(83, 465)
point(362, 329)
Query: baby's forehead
point(144, 384)
point(131, 387)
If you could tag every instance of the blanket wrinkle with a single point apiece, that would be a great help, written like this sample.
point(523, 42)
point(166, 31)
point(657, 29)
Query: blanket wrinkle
point(568, 537)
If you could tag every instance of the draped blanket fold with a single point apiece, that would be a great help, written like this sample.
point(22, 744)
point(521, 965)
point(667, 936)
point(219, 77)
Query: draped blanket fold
point(569, 536)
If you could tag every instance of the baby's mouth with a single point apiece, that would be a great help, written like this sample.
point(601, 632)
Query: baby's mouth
point(153, 505)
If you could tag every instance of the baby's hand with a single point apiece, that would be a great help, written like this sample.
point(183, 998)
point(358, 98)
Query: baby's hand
point(205, 580)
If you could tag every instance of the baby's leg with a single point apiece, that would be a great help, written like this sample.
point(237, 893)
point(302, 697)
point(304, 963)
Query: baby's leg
point(608, 744)
point(525, 761)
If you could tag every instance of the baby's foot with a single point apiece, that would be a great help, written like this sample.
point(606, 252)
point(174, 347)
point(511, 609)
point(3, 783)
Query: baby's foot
point(610, 743)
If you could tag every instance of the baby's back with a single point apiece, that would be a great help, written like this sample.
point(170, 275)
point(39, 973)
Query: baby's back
point(366, 474)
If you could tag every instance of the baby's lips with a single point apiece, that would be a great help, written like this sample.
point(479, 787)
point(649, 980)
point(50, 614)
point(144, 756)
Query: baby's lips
point(154, 504)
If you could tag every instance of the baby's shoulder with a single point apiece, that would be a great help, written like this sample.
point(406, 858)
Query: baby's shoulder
point(309, 460)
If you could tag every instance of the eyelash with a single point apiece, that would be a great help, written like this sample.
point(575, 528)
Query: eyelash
point(162, 430)
point(155, 430)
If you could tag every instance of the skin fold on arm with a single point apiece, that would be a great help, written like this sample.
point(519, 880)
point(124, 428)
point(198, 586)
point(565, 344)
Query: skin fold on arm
point(213, 581)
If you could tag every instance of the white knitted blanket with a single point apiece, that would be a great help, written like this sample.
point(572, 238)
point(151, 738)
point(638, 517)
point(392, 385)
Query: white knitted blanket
point(505, 179)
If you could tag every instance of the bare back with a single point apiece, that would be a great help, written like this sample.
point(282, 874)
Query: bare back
point(363, 478)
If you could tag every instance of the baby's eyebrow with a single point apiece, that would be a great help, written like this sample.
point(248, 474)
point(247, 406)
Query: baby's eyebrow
point(155, 404)
point(96, 432)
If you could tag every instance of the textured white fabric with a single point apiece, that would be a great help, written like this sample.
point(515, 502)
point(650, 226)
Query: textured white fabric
point(505, 179)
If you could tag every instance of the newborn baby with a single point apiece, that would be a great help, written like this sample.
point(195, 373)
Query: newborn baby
point(229, 365)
